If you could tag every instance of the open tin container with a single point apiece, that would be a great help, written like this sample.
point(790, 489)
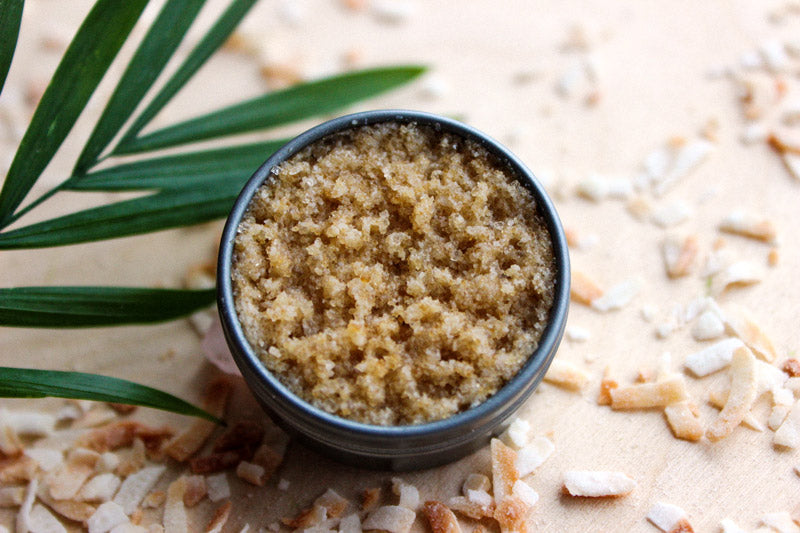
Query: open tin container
point(406, 447)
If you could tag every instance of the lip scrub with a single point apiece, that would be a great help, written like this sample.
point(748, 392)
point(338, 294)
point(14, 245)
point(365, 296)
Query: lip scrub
point(390, 273)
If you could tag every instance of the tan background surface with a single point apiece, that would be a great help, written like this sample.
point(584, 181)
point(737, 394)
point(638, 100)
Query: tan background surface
point(497, 65)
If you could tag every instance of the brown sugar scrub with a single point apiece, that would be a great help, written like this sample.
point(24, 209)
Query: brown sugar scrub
point(392, 274)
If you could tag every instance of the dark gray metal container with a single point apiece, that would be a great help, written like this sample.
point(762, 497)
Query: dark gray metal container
point(409, 447)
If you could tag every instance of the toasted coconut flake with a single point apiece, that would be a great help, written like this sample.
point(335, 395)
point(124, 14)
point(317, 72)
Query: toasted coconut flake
point(252, 473)
point(792, 367)
point(70, 509)
point(219, 519)
point(741, 324)
point(713, 358)
point(129, 528)
point(391, 518)
point(217, 462)
point(781, 522)
point(42, 521)
point(504, 470)
point(195, 490)
point(175, 519)
point(10, 443)
point(11, 496)
point(473, 509)
point(671, 214)
point(684, 420)
point(510, 513)
point(307, 518)
point(440, 518)
point(190, 441)
point(738, 274)
point(531, 456)
point(583, 289)
point(616, 297)
point(370, 498)
point(669, 518)
point(335, 505)
point(17, 469)
point(98, 415)
point(597, 484)
point(65, 482)
point(136, 486)
point(792, 164)
point(218, 487)
point(122, 434)
point(679, 255)
point(749, 225)
point(133, 460)
point(47, 458)
point(23, 515)
point(567, 375)
point(744, 383)
point(604, 396)
point(106, 517)
point(350, 524)
point(154, 499)
point(788, 434)
point(409, 495)
point(687, 158)
point(29, 423)
point(648, 395)
point(100, 488)
point(107, 462)
point(243, 434)
point(476, 482)
point(577, 334)
point(525, 492)
point(517, 434)
point(268, 459)
point(709, 326)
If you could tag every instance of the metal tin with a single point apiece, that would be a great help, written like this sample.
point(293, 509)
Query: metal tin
point(409, 447)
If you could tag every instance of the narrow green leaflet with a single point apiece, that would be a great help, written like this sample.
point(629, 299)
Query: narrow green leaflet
point(73, 307)
point(91, 51)
point(278, 108)
point(215, 37)
point(155, 212)
point(156, 48)
point(234, 165)
point(10, 17)
point(32, 383)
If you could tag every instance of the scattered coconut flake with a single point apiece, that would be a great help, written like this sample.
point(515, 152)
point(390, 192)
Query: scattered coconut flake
point(664, 330)
point(567, 375)
point(350, 524)
point(774, 54)
point(531, 456)
point(714, 358)
point(648, 312)
point(136, 486)
point(335, 505)
point(744, 382)
point(391, 518)
point(23, 515)
point(480, 497)
point(42, 521)
point(748, 225)
point(606, 384)
point(218, 487)
point(219, 519)
point(571, 79)
point(106, 517)
point(684, 420)
point(729, 526)
point(788, 434)
point(754, 132)
point(741, 324)
point(687, 158)
point(440, 518)
point(65, 481)
point(517, 434)
point(476, 482)
point(594, 188)
point(773, 257)
point(434, 87)
point(510, 514)
point(792, 164)
point(597, 484)
point(583, 289)
point(175, 519)
point(473, 509)
point(504, 470)
point(307, 518)
point(370, 498)
point(30, 423)
point(11, 496)
point(577, 334)
point(196, 490)
point(190, 441)
point(616, 297)
point(252, 473)
point(671, 214)
point(679, 255)
point(669, 518)
point(525, 492)
point(648, 395)
point(709, 326)
point(47, 458)
point(392, 11)
point(100, 488)
point(751, 60)
point(781, 522)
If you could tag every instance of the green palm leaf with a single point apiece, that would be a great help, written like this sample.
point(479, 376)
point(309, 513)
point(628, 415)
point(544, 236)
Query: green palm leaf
point(89, 54)
point(215, 37)
point(156, 48)
point(10, 17)
point(233, 165)
point(163, 210)
point(32, 383)
point(277, 108)
point(69, 307)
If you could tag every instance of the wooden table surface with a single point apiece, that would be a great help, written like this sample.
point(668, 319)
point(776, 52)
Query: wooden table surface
point(576, 89)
